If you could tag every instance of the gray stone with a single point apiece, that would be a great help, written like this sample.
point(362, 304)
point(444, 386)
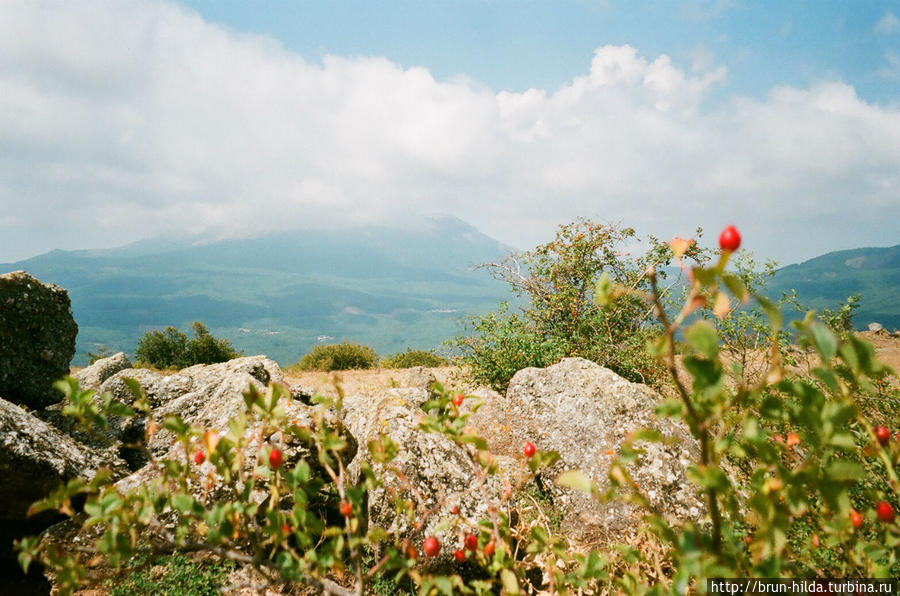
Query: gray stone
point(875, 327)
point(35, 458)
point(37, 339)
point(92, 376)
point(584, 412)
point(430, 470)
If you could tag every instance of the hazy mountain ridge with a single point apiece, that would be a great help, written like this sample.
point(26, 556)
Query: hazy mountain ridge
point(390, 287)
point(826, 281)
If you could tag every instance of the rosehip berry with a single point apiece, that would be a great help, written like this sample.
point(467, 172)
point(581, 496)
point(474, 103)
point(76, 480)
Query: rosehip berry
point(529, 450)
point(455, 510)
point(882, 434)
point(884, 511)
point(489, 549)
point(431, 547)
point(199, 457)
point(346, 509)
point(275, 459)
point(458, 399)
point(412, 553)
point(815, 540)
point(856, 519)
point(285, 528)
point(471, 542)
point(459, 555)
point(729, 239)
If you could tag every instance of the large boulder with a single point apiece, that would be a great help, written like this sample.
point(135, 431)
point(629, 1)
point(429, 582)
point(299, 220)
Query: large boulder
point(37, 339)
point(35, 458)
point(92, 376)
point(585, 412)
point(430, 470)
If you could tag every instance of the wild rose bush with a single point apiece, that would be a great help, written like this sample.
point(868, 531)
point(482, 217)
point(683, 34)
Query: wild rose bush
point(798, 481)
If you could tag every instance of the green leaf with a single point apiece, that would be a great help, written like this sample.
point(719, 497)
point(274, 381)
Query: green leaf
point(577, 480)
point(824, 341)
point(771, 310)
point(842, 470)
point(669, 408)
point(475, 440)
point(183, 503)
point(604, 289)
point(736, 286)
point(703, 338)
point(509, 581)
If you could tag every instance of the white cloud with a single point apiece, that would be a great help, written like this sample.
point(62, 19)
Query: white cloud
point(135, 118)
point(888, 24)
point(891, 68)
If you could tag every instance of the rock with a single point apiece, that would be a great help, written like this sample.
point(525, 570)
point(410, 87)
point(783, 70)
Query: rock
point(584, 412)
point(158, 388)
point(37, 339)
point(214, 395)
point(420, 377)
point(439, 470)
point(92, 376)
point(35, 458)
point(214, 400)
point(875, 327)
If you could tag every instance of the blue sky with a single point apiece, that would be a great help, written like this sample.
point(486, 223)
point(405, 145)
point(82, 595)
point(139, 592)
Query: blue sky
point(515, 45)
point(127, 119)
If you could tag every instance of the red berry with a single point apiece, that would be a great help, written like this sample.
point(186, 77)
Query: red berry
point(730, 239)
point(856, 519)
point(285, 528)
point(346, 509)
point(489, 549)
point(412, 553)
point(455, 510)
point(529, 450)
point(431, 547)
point(884, 511)
point(882, 434)
point(459, 555)
point(199, 457)
point(275, 459)
point(471, 542)
point(458, 399)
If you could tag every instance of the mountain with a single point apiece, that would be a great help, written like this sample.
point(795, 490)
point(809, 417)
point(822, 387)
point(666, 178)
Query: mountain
point(391, 288)
point(827, 281)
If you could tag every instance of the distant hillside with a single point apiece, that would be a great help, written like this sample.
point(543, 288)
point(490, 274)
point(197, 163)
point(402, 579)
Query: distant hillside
point(826, 281)
point(391, 288)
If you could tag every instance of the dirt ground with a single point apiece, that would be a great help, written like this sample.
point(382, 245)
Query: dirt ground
point(366, 381)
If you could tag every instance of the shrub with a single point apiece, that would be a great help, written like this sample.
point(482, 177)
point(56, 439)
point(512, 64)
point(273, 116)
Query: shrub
point(172, 349)
point(411, 358)
point(560, 316)
point(815, 497)
point(101, 353)
point(342, 356)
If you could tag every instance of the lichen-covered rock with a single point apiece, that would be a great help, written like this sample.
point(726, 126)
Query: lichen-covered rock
point(214, 399)
point(37, 339)
point(214, 395)
point(92, 376)
point(584, 412)
point(439, 471)
point(158, 388)
point(35, 458)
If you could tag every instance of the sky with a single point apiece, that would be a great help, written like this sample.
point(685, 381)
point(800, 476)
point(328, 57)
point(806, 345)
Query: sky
point(129, 119)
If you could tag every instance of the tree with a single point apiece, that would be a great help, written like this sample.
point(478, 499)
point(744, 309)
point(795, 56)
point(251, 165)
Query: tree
point(560, 316)
point(170, 348)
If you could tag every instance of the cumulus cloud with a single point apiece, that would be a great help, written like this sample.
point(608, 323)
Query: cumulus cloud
point(133, 119)
point(888, 24)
